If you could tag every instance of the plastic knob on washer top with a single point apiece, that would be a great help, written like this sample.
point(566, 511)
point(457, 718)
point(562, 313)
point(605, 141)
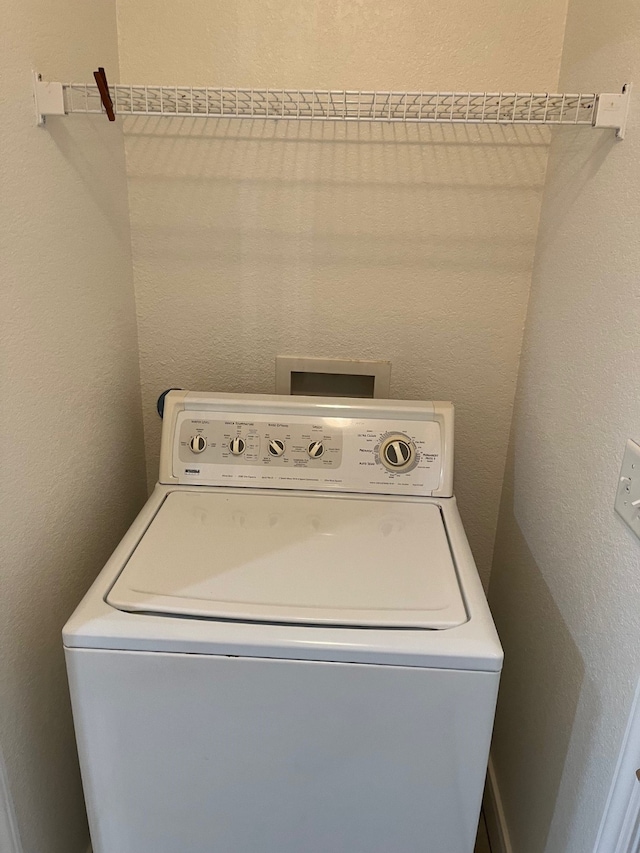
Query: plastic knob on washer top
point(198, 443)
point(397, 452)
point(237, 446)
point(276, 447)
point(315, 449)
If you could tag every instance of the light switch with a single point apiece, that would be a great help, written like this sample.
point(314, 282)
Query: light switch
point(627, 503)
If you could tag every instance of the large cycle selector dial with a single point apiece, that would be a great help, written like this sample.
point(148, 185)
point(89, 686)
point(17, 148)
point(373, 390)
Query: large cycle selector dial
point(198, 443)
point(276, 447)
point(315, 449)
point(237, 446)
point(398, 452)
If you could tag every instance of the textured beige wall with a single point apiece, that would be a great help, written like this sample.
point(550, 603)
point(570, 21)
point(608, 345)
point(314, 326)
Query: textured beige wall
point(71, 459)
point(565, 587)
point(405, 243)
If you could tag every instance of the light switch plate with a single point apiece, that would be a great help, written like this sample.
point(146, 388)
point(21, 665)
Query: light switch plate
point(627, 503)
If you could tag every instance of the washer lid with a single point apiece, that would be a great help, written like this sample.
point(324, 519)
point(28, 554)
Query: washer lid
point(294, 559)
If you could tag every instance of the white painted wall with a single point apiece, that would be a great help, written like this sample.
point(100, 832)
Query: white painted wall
point(71, 416)
point(252, 239)
point(565, 587)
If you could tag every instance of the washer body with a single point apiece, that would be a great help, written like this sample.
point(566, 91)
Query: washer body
point(305, 667)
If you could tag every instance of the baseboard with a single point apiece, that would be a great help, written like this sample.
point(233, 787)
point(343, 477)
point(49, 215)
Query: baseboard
point(494, 816)
point(9, 835)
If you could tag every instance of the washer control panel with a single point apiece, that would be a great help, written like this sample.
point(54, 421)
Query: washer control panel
point(309, 451)
point(230, 442)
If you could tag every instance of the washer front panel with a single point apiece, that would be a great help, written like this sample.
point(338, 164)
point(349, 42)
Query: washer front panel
point(297, 451)
point(206, 753)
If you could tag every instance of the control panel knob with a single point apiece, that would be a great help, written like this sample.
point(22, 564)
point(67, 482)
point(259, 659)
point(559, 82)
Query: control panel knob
point(315, 449)
point(397, 453)
point(237, 446)
point(198, 443)
point(276, 447)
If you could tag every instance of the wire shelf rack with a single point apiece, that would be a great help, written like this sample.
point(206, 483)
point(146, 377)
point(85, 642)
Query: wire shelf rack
point(538, 108)
point(345, 105)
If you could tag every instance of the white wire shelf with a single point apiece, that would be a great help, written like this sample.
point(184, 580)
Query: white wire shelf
point(318, 105)
point(344, 105)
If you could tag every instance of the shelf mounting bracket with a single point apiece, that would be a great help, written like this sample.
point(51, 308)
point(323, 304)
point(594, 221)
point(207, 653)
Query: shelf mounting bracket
point(49, 99)
point(613, 109)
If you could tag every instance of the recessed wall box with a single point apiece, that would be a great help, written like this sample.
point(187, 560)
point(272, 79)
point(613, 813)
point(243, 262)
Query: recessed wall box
point(332, 377)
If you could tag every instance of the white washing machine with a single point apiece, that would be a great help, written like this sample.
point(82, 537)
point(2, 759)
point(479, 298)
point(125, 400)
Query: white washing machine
point(290, 651)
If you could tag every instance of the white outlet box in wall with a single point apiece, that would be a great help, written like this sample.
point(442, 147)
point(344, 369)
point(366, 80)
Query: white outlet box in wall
point(627, 503)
